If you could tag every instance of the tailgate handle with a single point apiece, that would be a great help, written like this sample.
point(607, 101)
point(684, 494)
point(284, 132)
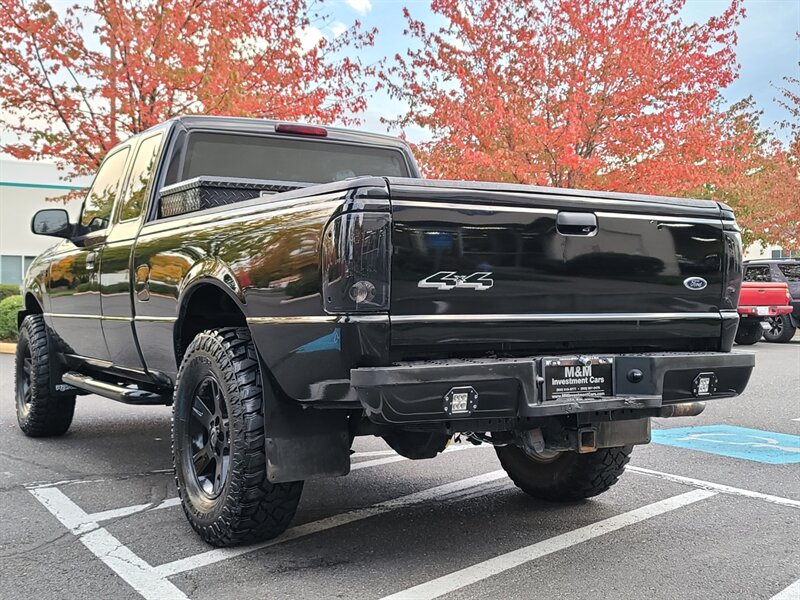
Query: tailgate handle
point(576, 223)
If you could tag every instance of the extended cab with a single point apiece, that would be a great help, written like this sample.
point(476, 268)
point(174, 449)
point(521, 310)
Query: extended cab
point(288, 287)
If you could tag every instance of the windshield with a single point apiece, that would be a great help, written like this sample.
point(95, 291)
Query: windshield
point(286, 159)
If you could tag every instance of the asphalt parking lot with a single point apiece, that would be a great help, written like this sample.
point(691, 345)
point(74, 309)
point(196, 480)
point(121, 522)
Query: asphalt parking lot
point(710, 512)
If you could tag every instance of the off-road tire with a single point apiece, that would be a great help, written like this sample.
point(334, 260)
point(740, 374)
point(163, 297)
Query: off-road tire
point(39, 413)
point(781, 329)
point(567, 477)
point(749, 332)
point(248, 508)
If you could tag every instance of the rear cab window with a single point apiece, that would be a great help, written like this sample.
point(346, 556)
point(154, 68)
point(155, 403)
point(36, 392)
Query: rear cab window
point(791, 271)
point(758, 273)
point(286, 159)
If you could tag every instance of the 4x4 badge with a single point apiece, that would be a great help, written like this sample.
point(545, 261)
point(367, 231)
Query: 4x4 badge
point(447, 280)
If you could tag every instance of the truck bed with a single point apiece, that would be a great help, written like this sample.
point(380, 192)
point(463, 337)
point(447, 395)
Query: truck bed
point(489, 268)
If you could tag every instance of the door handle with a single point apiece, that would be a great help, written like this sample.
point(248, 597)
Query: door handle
point(142, 286)
point(576, 223)
point(90, 258)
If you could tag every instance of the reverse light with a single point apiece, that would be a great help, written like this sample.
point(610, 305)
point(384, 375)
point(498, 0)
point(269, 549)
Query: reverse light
point(356, 256)
point(294, 129)
point(362, 291)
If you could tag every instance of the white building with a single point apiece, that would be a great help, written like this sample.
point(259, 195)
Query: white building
point(25, 187)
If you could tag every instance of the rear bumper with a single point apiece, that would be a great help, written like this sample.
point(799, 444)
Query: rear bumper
point(764, 312)
point(511, 389)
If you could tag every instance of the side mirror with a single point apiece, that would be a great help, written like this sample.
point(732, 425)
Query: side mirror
point(53, 222)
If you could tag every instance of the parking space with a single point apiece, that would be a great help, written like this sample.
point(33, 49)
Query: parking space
point(698, 514)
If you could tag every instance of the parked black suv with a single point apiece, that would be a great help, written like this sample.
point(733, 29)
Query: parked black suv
point(782, 327)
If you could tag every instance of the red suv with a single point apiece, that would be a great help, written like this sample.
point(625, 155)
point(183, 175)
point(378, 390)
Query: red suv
point(782, 327)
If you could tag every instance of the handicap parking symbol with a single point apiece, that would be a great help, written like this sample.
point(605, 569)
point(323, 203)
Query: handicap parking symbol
point(736, 442)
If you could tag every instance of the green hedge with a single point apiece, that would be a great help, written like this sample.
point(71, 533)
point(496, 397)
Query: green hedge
point(8, 318)
point(8, 289)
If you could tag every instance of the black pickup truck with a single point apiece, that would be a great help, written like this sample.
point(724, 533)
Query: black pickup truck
point(289, 287)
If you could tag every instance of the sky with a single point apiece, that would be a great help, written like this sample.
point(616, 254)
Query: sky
point(767, 49)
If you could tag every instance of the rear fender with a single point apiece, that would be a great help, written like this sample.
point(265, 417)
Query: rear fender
point(210, 271)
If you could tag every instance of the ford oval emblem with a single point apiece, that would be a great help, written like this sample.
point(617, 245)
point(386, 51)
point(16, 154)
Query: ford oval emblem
point(695, 283)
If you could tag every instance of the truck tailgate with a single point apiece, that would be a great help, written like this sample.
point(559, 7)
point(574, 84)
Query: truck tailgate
point(495, 267)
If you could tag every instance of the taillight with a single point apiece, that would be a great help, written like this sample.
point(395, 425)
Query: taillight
point(732, 265)
point(295, 129)
point(356, 254)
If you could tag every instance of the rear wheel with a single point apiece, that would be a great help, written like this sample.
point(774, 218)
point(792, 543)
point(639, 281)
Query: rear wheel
point(218, 443)
point(39, 413)
point(749, 332)
point(780, 329)
point(564, 476)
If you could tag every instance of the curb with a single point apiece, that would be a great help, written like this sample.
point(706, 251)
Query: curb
point(8, 348)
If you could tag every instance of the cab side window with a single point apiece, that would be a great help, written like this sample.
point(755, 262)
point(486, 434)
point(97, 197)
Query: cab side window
point(141, 174)
point(100, 200)
point(759, 273)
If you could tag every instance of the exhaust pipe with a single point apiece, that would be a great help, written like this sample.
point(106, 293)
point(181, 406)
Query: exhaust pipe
point(682, 409)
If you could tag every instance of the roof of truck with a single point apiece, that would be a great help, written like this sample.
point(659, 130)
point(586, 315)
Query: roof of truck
point(752, 261)
point(243, 124)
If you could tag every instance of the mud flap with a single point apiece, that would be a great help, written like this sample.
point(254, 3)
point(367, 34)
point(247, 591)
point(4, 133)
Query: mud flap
point(305, 443)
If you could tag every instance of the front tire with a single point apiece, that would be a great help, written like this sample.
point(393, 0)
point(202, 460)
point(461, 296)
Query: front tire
point(218, 443)
point(749, 332)
point(564, 476)
point(39, 413)
point(780, 330)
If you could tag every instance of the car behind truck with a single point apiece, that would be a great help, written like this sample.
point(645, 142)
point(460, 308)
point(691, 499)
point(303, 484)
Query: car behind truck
point(289, 287)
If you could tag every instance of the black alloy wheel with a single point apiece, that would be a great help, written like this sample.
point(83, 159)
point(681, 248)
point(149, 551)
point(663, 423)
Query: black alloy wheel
point(40, 411)
point(24, 389)
point(780, 329)
point(219, 443)
point(209, 437)
point(775, 326)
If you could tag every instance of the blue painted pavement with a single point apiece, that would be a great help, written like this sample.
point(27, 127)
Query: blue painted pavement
point(736, 442)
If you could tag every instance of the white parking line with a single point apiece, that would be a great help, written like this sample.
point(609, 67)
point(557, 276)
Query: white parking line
point(126, 511)
point(131, 568)
point(457, 490)
point(397, 458)
point(717, 487)
point(373, 453)
point(452, 447)
point(375, 462)
point(152, 583)
point(477, 572)
point(790, 593)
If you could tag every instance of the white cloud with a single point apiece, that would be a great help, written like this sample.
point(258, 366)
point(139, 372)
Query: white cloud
point(362, 7)
point(337, 28)
point(309, 38)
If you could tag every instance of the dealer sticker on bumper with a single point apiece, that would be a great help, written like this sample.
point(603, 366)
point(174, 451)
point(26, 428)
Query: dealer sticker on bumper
point(578, 376)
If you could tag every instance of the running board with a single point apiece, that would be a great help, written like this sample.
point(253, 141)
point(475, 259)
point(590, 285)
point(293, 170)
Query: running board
point(120, 393)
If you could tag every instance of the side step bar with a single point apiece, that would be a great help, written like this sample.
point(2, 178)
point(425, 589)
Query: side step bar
point(120, 393)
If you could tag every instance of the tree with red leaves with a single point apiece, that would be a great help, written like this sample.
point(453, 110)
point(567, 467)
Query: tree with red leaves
point(72, 90)
point(610, 94)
